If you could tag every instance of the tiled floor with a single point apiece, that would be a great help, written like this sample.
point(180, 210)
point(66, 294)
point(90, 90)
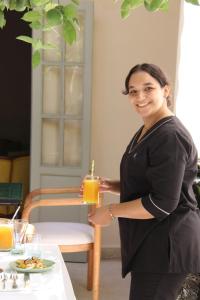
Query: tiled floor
point(112, 286)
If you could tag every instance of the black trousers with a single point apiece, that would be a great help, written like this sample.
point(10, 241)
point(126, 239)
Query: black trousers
point(155, 286)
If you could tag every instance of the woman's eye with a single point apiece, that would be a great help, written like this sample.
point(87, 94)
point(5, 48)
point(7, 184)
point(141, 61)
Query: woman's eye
point(132, 93)
point(148, 89)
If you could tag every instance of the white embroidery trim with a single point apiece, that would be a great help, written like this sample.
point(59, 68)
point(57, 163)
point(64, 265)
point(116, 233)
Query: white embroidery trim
point(130, 149)
point(145, 137)
point(157, 206)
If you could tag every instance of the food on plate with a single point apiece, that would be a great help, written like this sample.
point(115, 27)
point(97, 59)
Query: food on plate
point(33, 263)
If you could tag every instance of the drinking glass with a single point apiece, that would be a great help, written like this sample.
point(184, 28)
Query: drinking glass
point(33, 244)
point(6, 235)
point(20, 227)
point(91, 189)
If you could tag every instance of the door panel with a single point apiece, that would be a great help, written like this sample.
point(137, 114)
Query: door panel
point(61, 106)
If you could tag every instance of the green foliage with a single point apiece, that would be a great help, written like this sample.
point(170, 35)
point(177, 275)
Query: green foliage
point(18, 5)
point(39, 3)
point(36, 57)
point(69, 32)
point(54, 16)
point(128, 5)
point(2, 6)
point(2, 19)
point(155, 5)
point(46, 15)
point(151, 5)
point(70, 11)
point(76, 2)
point(32, 16)
point(195, 2)
point(36, 43)
point(25, 38)
point(70, 22)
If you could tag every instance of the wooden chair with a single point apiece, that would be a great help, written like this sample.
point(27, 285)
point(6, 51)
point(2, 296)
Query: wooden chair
point(88, 237)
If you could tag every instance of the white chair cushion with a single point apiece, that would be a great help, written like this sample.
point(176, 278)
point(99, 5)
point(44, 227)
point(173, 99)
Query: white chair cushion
point(64, 233)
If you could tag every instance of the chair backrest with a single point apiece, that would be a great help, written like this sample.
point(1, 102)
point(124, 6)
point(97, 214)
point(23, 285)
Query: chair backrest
point(5, 167)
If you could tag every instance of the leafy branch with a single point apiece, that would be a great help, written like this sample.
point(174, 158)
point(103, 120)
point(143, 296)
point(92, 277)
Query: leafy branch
point(46, 15)
point(151, 5)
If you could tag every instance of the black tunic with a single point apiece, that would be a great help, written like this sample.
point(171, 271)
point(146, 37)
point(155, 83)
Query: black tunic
point(160, 169)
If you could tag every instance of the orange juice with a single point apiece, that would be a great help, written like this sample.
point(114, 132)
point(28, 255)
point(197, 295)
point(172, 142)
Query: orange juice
point(6, 235)
point(91, 189)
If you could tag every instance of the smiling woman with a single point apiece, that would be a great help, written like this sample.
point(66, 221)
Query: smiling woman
point(158, 213)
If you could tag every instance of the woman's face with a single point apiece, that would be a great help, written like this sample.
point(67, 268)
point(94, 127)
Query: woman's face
point(146, 95)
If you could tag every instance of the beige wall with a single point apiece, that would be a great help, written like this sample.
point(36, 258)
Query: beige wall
point(118, 45)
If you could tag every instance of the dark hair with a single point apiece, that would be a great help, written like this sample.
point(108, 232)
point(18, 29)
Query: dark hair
point(153, 71)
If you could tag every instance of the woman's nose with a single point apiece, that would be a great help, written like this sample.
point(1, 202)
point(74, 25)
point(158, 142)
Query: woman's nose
point(140, 96)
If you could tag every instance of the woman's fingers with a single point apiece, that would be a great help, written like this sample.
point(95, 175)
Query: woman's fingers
point(100, 216)
point(104, 185)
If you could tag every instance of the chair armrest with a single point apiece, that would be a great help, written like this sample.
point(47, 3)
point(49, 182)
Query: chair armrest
point(50, 202)
point(30, 204)
point(46, 191)
point(49, 191)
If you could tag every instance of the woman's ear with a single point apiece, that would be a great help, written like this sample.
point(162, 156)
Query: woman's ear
point(167, 91)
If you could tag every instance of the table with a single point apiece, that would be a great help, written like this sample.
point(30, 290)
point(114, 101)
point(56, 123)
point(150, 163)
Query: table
point(54, 284)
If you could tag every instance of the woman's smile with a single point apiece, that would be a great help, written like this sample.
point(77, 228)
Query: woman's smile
point(143, 105)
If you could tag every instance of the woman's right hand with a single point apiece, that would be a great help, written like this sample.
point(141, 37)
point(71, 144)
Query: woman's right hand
point(106, 185)
point(110, 186)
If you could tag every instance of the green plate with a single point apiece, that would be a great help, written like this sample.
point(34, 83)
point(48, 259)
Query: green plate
point(48, 266)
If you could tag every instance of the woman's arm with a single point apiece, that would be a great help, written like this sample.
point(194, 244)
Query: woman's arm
point(133, 210)
point(169, 158)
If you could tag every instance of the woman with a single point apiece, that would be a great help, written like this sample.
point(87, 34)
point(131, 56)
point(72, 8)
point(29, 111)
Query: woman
point(158, 216)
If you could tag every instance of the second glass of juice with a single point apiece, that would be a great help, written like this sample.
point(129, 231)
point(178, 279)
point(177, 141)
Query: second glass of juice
point(6, 235)
point(91, 189)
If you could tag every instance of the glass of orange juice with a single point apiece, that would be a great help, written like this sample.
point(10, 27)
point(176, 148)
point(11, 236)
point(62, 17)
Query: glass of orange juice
point(6, 235)
point(91, 189)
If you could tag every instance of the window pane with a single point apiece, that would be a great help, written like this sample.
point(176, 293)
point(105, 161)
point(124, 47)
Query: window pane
point(72, 143)
point(51, 89)
point(52, 37)
point(73, 90)
point(50, 142)
point(74, 53)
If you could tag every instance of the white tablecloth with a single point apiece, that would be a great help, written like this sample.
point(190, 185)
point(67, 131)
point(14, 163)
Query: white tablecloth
point(51, 285)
